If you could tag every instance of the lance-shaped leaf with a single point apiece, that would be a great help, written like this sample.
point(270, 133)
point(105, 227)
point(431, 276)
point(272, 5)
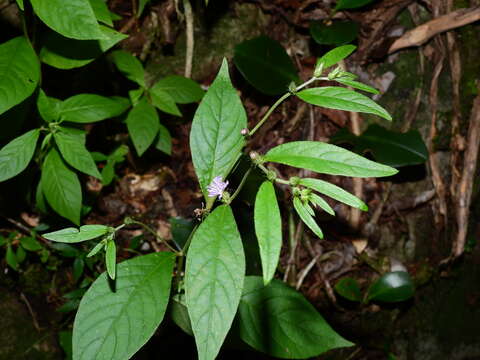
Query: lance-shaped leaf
point(116, 324)
point(268, 228)
point(87, 108)
point(75, 154)
point(334, 97)
point(351, 4)
point(111, 258)
point(334, 192)
point(130, 66)
point(15, 156)
point(181, 89)
point(357, 85)
point(305, 213)
point(214, 279)
point(143, 125)
point(73, 18)
point(318, 201)
point(61, 187)
point(19, 72)
point(73, 235)
point(215, 138)
point(326, 159)
point(279, 321)
point(335, 55)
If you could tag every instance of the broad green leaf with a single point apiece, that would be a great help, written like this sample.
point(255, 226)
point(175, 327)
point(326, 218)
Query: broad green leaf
point(96, 249)
point(143, 125)
point(130, 66)
point(141, 6)
point(334, 97)
point(15, 156)
point(318, 201)
point(20, 4)
point(79, 134)
point(349, 289)
point(334, 192)
point(11, 258)
point(335, 55)
point(111, 258)
point(336, 33)
point(306, 216)
point(214, 279)
point(326, 159)
point(64, 53)
point(75, 154)
point(100, 9)
point(73, 18)
point(61, 187)
point(392, 287)
point(48, 108)
point(30, 243)
point(268, 228)
point(215, 138)
point(280, 322)
point(19, 72)
point(388, 147)
point(265, 64)
point(87, 108)
point(357, 85)
point(164, 141)
point(73, 235)
point(182, 90)
point(116, 324)
point(351, 4)
point(163, 101)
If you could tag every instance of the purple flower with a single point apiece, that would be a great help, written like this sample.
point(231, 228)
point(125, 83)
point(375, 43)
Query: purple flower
point(217, 187)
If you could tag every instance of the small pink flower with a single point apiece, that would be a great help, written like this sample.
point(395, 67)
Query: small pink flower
point(217, 187)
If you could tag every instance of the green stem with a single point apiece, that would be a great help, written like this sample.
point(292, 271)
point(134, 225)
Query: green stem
point(158, 237)
point(269, 112)
point(237, 191)
point(183, 254)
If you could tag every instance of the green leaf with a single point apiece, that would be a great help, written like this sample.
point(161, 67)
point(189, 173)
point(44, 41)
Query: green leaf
point(335, 55)
point(21, 254)
point(87, 108)
point(75, 154)
point(279, 321)
point(388, 147)
point(130, 66)
point(268, 228)
point(334, 97)
point(336, 33)
point(392, 287)
point(30, 244)
point(136, 95)
point(20, 4)
point(73, 18)
point(143, 125)
point(48, 108)
point(326, 159)
point(357, 85)
point(215, 138)
point(65, 342)
point(96, 249)
point(73, 235)
point(64, 53)
point(141, 6)
point(179, 314)
point(15, 156)
point(334, 192)
point(265, 64)
point(182, 90)
point(214, 279)
point(116, 324)
point(100, 9)
point(11, 258)
point(349, 289)
point(351, 4)
point(164, 141)
point(78, 267)
point(304, 213)
point(318, 201)
point(111, 258)
point(40, 202)
point(19, 72)
point(164, 102)
point(61, 187)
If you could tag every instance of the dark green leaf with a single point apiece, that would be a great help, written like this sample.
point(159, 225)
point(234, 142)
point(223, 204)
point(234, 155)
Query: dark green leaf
point(30, 243)
point(181, 229)
point(143, 125)
point(268, 228)
point(265, 64)
point(116, 324)
point(141, 6)
point(130, 66)
point(78, 266)
point(279, 321)
point(392, 287)
point(21, 254)
point(179, 314)
point(73, 18)
point(15, 156)
point(351, 4)
point(357, 85)
point(164, 102)
point(306, 215)
point(214, 279)
point(164, 141)
point(336, 33)
point(334, 97)
point(69, 306)
point(335, 55)
point(181, 89)
point(111, 258)
point(100, 9)
point(11, 258)
point(349, 289)
point(65, 341)
point(87, 108)
point(19, 72)
point(388, 147)
point(326, 159)
point(215, 138)
point(73, 235)
point(66, 250)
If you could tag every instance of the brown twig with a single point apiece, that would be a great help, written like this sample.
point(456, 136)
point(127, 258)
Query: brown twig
point(32, 313)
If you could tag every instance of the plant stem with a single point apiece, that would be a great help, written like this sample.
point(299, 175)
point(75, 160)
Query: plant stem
point(237, 191)
point(158, 237)
point(182, 256)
